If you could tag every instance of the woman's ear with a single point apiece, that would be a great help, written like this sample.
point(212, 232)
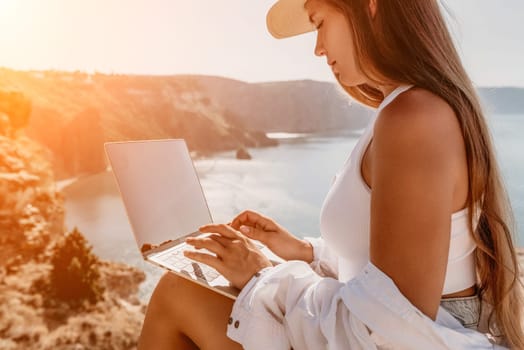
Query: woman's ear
point(373, 7)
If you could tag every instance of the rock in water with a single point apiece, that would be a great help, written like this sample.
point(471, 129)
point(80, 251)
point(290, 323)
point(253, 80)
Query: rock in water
point(242, 153)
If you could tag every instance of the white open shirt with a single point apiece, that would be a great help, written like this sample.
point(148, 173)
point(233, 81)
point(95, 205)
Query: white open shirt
point(295, 305)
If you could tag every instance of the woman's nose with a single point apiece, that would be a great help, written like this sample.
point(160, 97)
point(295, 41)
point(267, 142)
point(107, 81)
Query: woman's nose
point(319, 49)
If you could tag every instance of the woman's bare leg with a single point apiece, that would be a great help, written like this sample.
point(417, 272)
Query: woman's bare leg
point(183, 315)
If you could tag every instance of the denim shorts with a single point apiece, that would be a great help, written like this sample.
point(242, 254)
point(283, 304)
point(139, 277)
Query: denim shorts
point(466, 310)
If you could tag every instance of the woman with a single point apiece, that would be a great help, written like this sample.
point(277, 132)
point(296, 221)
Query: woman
point(416, 248)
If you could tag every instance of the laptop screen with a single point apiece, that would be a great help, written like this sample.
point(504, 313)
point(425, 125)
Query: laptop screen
point(160, 189)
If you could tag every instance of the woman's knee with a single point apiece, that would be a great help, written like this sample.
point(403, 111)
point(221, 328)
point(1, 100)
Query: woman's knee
point(169, 282)
point(169, 291)
point(193, 310)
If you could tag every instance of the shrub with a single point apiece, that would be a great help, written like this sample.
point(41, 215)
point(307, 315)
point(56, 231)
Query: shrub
point(75, 276)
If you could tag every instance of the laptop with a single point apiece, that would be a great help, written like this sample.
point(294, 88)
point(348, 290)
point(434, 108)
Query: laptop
point(165, 204)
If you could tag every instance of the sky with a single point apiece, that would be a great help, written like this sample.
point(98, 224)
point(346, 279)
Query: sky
point(226, 38)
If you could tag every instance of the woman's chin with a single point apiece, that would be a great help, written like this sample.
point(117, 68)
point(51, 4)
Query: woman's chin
point(340, 78)
point(347, 82)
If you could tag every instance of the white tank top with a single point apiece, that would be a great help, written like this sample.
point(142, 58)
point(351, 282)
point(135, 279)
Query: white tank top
point(345, 218)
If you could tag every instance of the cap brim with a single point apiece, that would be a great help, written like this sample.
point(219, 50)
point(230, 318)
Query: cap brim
point(288, 18)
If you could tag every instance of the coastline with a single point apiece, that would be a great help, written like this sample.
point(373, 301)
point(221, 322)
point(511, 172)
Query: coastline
point(230, 185)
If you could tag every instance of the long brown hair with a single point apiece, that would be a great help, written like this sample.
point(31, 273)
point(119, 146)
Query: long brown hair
point(408, 42)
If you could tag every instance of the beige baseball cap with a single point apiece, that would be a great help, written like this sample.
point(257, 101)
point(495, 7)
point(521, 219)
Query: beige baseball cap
point(288, 18)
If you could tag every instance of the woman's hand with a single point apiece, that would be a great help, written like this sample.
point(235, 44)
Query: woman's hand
point(275, 237)
point(237, 258)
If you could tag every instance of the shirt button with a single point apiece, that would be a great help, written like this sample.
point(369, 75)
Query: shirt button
point(230, 320)
point(237, 323)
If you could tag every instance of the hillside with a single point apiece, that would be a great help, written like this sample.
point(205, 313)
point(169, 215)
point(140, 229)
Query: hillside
point(503, 100)
point(74, 113)
point(38, 275)
point(301, 106)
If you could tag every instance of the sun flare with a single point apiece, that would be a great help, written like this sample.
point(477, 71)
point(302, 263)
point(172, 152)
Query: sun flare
point(10, 10)
point(7, 7)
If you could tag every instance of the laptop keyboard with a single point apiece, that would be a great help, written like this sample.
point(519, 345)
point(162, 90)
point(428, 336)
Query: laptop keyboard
point(175, 258)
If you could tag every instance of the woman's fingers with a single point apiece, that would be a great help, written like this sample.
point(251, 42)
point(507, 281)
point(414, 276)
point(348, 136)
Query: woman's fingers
point(237, 258)
point(253, 219)
point(245, 217)
point(209, 243)
point(223, 229)
point(221, 240)
point(253, 233)
point(204, 258)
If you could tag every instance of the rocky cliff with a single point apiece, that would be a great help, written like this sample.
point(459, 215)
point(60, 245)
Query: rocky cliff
point(72, 114)
point(32, 316)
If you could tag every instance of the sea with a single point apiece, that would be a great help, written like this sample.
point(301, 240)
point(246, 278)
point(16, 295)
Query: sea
point(287, 182)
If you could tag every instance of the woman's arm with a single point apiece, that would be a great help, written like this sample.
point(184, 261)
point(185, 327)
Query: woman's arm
point(416, 158)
